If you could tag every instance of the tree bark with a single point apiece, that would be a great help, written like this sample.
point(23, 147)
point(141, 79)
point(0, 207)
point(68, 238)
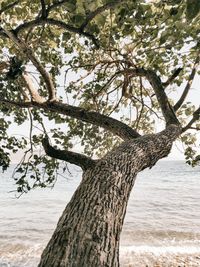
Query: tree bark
point(88, 232)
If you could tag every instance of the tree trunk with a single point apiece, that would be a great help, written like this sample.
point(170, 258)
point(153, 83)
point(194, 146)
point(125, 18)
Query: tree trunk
point(88, 232)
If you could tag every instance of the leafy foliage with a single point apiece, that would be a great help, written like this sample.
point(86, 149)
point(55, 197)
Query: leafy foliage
point(88, 51)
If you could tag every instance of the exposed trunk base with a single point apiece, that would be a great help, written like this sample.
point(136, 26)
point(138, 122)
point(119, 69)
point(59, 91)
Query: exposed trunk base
point(88, 232)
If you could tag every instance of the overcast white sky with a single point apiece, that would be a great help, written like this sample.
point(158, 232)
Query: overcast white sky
point(177, 151)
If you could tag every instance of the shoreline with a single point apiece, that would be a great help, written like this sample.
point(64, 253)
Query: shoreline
point(27, 255)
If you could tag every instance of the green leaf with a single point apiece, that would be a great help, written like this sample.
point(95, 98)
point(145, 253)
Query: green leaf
point(80, 7)
point(78, 19)
point(66, 36)
point(193, 9)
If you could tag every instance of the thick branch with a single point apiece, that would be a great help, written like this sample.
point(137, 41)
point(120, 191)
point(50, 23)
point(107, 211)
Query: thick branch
point(173, 77)
point(42, 20)
point(162, 98)
point(196, 116)
point(32, 90)
point(74, 158)
point(188, 85)
point(110, 124)
point(29, 53)
point(70, 28)
point(50, 21)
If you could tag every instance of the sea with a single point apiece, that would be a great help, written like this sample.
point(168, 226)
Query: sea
point(161, 228)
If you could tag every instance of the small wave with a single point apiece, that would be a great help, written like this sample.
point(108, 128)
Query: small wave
point(26, 255)
point(20, 255)
point(160, 238)
point(152, 256)
point(158, 250)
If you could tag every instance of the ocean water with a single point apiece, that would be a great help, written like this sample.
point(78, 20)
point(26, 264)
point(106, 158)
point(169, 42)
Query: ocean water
point(161, 229)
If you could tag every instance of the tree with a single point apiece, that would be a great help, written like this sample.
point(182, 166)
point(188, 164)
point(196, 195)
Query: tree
point(106, 69)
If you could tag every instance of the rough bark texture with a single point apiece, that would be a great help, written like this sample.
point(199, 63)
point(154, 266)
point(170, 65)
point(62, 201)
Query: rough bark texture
point(88, 232)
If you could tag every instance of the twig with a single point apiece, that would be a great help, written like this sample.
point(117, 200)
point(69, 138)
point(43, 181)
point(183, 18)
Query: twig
point(99, 10)
point(31, 130)
point(5, 8)
point(189, 84)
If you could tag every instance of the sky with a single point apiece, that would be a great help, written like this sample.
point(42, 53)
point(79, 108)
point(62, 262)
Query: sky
point(194, 97)
point(177, 152)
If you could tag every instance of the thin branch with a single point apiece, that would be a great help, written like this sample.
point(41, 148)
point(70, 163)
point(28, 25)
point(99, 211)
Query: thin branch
point(44, 12)
point(31, 130)
point(108, 83)
point(189, 84)
point(142, 107)
point(5, 8)
point(56, 4)
point(74, 158)
point(42, 21)
point(70, 28)
point(98, 11)
point(50, 21)
point(145, 105)
point(195, 128)
point(116, 106)
point(196, 116)
point(29, 53)
point(155, 81)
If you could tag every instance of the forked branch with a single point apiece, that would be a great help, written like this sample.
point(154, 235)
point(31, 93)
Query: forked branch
point(196, 117)
point(74, 158)
point(29, 53)
point(43, 19)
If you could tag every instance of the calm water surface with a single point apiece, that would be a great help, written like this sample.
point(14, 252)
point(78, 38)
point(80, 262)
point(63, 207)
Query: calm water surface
point(162, 225)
